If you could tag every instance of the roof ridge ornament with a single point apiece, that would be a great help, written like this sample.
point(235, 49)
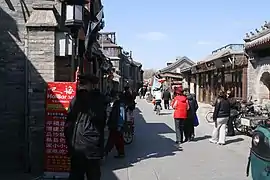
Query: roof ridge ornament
point(266, 25)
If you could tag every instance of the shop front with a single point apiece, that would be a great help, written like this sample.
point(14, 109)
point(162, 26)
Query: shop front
point(225, 69)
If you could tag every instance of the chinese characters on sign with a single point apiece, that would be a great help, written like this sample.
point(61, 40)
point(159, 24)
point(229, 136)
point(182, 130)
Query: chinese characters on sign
point(58, 96)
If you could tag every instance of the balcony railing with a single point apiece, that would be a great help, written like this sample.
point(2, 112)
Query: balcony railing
point(233, 47)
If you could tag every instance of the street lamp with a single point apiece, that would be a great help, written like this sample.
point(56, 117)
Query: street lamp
point(74, 21)
point(74, 15)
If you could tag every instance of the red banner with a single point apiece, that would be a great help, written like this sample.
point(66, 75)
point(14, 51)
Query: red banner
point(58, 97)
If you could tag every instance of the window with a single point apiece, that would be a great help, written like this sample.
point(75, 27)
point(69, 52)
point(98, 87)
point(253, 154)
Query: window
point(112, 51)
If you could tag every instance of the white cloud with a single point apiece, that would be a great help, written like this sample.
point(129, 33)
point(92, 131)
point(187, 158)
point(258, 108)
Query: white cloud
point(152, 36)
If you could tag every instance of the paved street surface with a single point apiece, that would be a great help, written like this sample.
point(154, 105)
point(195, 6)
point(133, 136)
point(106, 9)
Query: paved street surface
point(153, 155)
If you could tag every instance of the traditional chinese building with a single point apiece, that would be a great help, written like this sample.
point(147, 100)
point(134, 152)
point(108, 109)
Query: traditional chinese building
point(113, 52)
point(224, 69)
point(125, 69)
point(172, 73)
point(257, 45)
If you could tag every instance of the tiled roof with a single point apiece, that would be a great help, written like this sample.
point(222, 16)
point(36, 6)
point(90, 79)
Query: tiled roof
point(259, 33)
point(174, 65)
point(258, 37)
point(258, 41)
point(224, 51)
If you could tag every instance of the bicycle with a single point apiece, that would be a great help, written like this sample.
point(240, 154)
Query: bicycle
point(209, 117)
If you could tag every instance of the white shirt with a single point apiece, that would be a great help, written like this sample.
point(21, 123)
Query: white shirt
point(158, 95)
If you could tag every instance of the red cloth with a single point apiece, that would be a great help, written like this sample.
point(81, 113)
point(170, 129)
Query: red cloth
point(180, 105)
point(115, 139)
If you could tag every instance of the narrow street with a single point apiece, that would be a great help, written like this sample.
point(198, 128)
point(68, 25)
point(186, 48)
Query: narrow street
point(153, 155)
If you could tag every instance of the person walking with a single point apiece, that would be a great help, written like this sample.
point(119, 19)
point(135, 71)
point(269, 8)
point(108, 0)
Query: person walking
point(129, 97)
point(181, 106)
point(157, 98)
point(233, 114)
point(141, 92)
point(166, 96)
point(84, 129)
point(115, 125)
point(189, 123)
point(220, 117)
point(144, 91)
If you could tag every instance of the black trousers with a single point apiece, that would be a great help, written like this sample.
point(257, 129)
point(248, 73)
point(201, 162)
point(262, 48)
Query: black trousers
point(179, 130)
point(81, 166)
point(166, 104)
point(189, 128)
point(231, 131)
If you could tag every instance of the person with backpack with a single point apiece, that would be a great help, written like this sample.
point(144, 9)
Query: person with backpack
point(115, 125)
point(84, 129)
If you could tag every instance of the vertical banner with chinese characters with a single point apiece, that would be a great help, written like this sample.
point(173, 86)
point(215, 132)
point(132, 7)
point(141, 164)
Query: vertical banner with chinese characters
point(58, 97)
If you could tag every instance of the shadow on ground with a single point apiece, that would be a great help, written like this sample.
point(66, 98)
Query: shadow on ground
point(148, 143)
point(165, 113)
point(201, 138)
point(230, 141)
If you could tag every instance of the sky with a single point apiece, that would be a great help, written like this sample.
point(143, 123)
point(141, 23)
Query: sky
point(157, 31)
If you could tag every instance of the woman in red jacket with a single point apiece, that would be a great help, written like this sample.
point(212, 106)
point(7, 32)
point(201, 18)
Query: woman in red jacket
point(180, 106)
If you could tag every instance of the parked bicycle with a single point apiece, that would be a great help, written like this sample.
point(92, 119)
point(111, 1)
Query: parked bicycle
point(209, 117)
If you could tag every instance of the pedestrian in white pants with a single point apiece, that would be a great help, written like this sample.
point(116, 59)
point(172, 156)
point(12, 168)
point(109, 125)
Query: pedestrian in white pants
point(219, 132)
point(221, 117)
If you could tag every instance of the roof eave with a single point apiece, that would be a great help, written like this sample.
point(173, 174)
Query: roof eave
point(173, 65)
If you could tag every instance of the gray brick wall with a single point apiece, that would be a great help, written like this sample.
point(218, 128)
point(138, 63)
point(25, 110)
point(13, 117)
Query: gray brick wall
point(41, 55)
point(18, 49)
point(255, 87)
point(12, 83)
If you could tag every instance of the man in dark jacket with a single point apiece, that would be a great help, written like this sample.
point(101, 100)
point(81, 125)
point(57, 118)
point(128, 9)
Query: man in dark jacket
point(166, 96)
point(220, 116)
point(84, 130)
point(189, 124)
point(129, 98)
point(233, 114)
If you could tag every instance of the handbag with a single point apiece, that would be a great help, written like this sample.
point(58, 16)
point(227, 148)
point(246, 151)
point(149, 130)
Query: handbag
point(196, 121)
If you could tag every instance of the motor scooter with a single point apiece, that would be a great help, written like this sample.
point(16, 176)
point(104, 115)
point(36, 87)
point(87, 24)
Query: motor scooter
point(247, 124)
